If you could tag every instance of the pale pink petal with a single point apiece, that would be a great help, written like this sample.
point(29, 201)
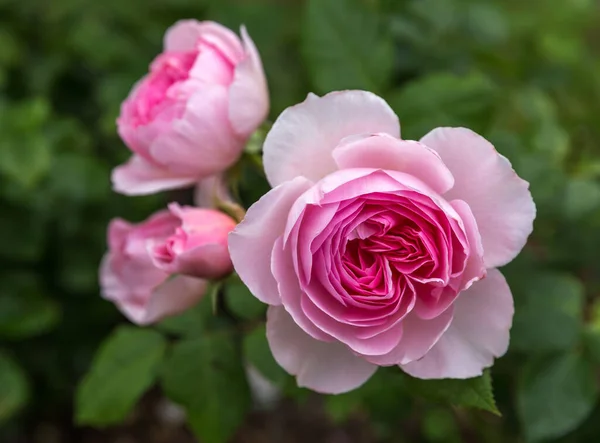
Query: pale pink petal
point(185, 35)
point(478, 333)
point(111, 287)
point(210, 261)
point(418, 337)
point(291, 295)
point(139, 177)
point(499, 199)
point(475, 269)
point(201, 141)
point(248, 94)
point(118, 229)
point(383, 151)
point(303, 137)
point(251, 242)
point(329, 368)
point(172, 297)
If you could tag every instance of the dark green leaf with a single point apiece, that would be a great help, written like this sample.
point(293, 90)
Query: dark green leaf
point(555, 395)
point(14, 387)
point(241, 301)
point(125, 366)
point(24, 310)
point(192, 322)
point(258, 354)
point(207, 377)
point(472, 392)
point(345, 47)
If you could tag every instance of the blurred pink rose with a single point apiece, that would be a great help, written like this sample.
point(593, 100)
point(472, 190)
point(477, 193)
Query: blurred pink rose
point(151, 269)
point(198, 246)
point(376, 251)
point(190, 117)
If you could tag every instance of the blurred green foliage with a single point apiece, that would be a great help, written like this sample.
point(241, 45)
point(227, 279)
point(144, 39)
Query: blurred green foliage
point(524, 74)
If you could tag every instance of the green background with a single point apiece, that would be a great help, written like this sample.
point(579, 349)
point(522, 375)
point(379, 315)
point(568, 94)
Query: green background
point(525, 74)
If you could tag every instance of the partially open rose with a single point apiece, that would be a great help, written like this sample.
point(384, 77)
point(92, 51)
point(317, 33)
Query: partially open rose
point(159, 267)
point(372, 250)
point(191, 115)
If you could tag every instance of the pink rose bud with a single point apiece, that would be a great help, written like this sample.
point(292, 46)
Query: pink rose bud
point(198, 247)
point(377, 251)
point(192, 114)
point(143, 271)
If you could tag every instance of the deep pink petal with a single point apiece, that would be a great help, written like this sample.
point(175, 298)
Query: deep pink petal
point(251, 242)
point(289, 289)
point(139, 177)
point(499, 199)
point(478, 333)
point(383, 151)
point(329, 368)
point(303, 137)
point(248, 94)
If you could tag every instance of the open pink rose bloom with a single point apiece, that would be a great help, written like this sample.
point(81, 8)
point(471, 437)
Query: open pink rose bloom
point(191, 115)
point(158, 268)
point(375, 251)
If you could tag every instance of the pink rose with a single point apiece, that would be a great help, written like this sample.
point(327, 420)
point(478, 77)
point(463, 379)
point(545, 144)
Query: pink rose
point(191, 116)
point(198, 245)
point(140, 272)
point(376, 251)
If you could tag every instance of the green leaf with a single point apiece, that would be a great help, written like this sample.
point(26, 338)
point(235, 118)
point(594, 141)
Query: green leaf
point(24, 310)
point(258, 353)
point(124, 367)
point(24, 149)
point(192, 322)
point(22, 233)
point(14, 387)
point(207, 377)
point(25, 160)
point(443, 99)
point(344, 46)
point(555, 395)
point(472, 392)
point(241, 301)
point(548, 313)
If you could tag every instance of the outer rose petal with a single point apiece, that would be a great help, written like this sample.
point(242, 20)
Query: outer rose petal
point(329, 368)
point(184, 36)
point(207, 261)
point(303, 136)
point(172, 297)
point(139, 177)
point(385, 152)
point(418, 337)
point(251, 242)
point(118, 229)
point(479, 332)
point(202, 124)
point(475, 269)
point(499, 199)
point(248, 94)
